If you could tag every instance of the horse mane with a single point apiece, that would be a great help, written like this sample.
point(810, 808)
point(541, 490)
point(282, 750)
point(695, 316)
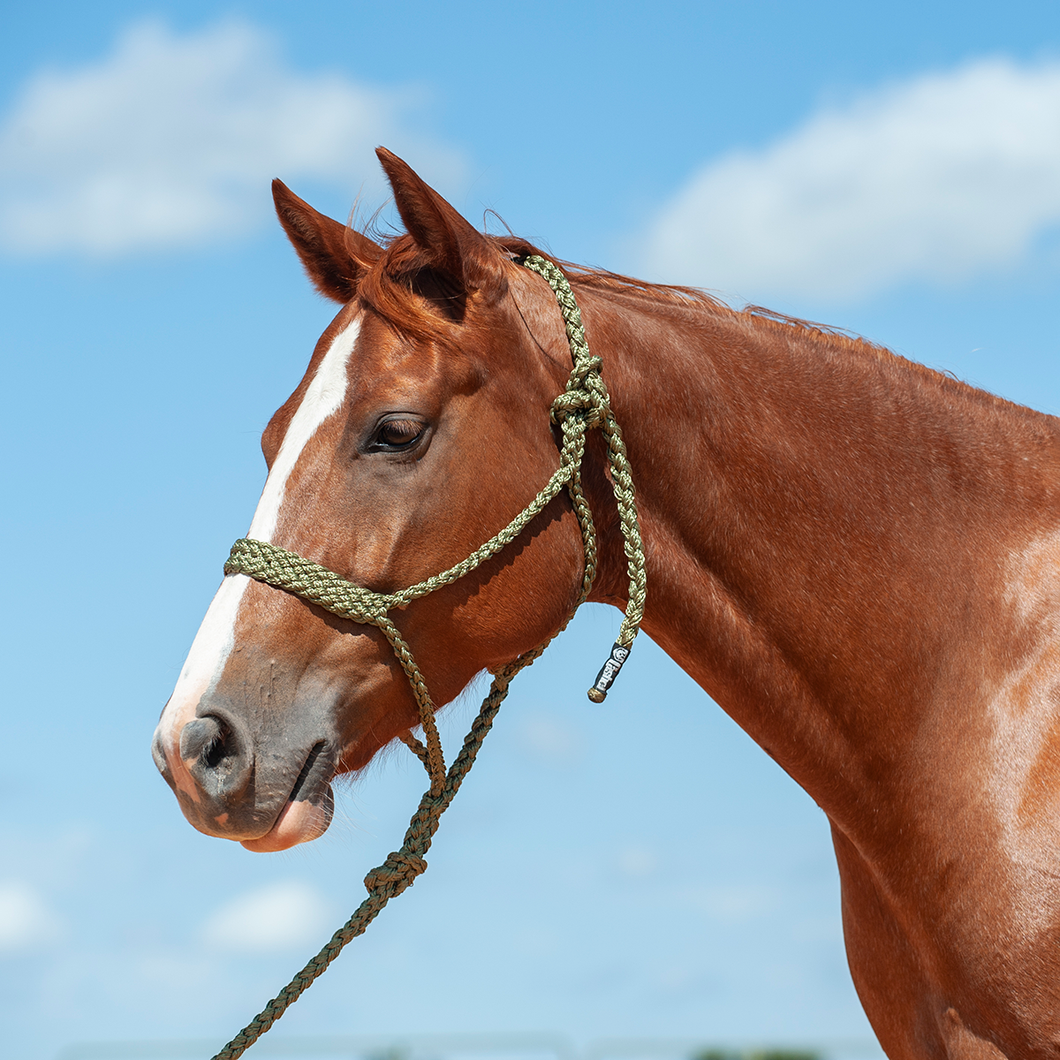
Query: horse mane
point(755, 317)
point(393, 285)
point(419, 302)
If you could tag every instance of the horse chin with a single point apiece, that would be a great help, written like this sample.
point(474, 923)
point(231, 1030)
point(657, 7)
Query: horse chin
point(298, 822)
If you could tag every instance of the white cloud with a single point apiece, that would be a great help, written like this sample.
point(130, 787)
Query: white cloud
point(172, 139)
point(936, 179)
point(25, 919)
point(278, 917)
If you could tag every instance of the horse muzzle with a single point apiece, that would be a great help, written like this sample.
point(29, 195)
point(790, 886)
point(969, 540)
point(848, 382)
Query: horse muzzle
point(267, 794)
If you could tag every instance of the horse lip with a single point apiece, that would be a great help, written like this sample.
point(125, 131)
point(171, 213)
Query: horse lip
point(316, 772)
point(312, 791)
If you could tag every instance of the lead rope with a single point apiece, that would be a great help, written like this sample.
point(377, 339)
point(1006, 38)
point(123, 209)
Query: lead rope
point(583, 405)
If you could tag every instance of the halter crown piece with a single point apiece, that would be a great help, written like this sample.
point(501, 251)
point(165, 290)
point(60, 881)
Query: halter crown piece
point(583, 405)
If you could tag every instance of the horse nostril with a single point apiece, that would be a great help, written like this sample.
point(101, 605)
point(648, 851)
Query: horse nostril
point(217, 756)
point(203, 738)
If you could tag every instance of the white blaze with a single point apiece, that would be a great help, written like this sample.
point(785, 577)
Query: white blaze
point(216, 635)
point(322, 398)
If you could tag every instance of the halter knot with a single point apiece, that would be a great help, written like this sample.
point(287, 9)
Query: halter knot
point(398, 872)
point(582, 403)
point(585, 395)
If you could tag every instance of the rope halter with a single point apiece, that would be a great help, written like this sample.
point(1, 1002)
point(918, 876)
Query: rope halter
point(584, 405)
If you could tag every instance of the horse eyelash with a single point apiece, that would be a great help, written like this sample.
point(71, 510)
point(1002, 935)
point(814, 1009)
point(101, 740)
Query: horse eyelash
point(416, 434)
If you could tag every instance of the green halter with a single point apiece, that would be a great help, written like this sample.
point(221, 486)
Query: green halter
point(583, 405)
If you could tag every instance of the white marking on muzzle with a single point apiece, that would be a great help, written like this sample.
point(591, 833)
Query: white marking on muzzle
point(216, 636)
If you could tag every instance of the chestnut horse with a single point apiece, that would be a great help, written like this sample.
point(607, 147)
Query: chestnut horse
point(856, 557)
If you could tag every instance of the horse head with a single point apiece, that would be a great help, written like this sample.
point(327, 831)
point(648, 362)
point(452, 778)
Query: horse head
point(420, 428)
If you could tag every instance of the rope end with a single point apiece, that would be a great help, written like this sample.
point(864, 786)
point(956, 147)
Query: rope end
point(608, 672)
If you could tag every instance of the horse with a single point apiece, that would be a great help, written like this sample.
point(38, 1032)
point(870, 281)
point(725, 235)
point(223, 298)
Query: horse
point(856, 557)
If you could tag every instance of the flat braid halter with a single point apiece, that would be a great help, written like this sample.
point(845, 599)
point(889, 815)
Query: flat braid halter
point(583, 405)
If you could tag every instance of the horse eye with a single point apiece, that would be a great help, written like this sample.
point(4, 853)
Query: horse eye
point(398, 433)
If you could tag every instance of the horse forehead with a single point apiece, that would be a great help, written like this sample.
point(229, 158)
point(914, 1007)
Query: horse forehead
point(327, 381)
point(323, 394)
point(395, 373)
point(383, 352)
point(348, 321)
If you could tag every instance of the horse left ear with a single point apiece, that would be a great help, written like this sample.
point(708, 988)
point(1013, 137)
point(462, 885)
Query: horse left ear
point(335, 256)
point(453, 245)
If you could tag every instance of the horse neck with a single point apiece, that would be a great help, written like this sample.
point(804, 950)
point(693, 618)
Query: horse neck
point(830, 530)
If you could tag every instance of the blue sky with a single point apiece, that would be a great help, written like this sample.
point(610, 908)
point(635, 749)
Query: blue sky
point(637, 869)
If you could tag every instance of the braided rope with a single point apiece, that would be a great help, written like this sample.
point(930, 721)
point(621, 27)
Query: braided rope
point(586, 390)
point(583, 405)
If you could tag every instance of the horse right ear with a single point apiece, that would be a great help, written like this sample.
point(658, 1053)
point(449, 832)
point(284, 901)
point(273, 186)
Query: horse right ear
point(453, 245)
point(334, 256)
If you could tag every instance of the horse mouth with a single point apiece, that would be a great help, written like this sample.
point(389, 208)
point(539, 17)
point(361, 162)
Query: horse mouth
point(308, 810)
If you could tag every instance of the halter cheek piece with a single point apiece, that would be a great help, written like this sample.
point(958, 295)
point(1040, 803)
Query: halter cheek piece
point(583, 405)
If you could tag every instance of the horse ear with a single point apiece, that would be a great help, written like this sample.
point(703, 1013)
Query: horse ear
point(334, 256)
point(453, 245)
